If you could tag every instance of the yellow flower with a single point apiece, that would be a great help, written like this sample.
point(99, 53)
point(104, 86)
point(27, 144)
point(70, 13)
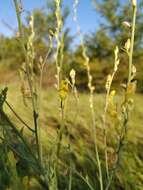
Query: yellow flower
point(111, 97)
point(63, 91)
point(114, 114)
point(131, 88)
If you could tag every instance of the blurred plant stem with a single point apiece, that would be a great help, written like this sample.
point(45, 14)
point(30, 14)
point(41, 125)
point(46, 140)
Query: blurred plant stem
point(18, 9)
point(132, 43)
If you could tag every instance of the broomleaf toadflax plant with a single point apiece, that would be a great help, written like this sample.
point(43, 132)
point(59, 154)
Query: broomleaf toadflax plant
point(128, 94)
point(91, 90)
point(108, 101)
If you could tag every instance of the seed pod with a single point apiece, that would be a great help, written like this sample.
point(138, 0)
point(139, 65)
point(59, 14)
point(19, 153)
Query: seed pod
point(108, 82)
point(128, 45)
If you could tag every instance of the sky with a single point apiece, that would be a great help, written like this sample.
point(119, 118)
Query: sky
point(87, 16)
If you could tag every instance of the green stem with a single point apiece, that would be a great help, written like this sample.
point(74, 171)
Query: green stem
point(40, 96)
point(35, 114)
point(96, 149)
point(74, 124)
point(132, 43)
point(18, 117)
point(84, 179)
point(70, 176)
point(61, 130)
point(119, 149)
point(105, 127)
point(20, 26)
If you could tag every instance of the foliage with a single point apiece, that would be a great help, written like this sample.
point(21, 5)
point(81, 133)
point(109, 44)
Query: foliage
point(44, 26)
point(113, 27)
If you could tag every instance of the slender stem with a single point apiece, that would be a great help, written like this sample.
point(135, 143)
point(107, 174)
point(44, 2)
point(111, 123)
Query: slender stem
point(20, 26)
point(39, 106)
point(132, 43)
point(84, 179)
point(104, 125)
point(18, 117)
point(105, 134)
point(118, 151)
point(74, 124)
point(61, 130)
point(96, 149)
point(91, 89)
point(81, 176)
point(35, 114)
point(70, 163)
point(105, 148)
point(40, 95)
point(70, 176)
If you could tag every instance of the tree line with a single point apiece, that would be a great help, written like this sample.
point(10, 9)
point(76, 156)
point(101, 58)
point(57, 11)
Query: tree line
point(113, 30)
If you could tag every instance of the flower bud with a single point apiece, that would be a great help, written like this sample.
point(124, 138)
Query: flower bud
point(17, 35)
point(72, 75)
point(134, 70)
point(134, 3)
point(127, 24)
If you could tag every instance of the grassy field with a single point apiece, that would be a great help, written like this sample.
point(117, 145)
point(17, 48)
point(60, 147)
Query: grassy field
point(129, 174)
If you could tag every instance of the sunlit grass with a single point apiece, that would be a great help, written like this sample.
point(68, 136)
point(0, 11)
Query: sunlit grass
point(82, 141)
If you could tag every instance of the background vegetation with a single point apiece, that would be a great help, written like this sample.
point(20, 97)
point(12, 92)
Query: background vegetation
point(75, 166)
point(100, 44)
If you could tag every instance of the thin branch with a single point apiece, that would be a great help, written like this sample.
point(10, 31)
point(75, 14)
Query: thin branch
point(18, 117)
